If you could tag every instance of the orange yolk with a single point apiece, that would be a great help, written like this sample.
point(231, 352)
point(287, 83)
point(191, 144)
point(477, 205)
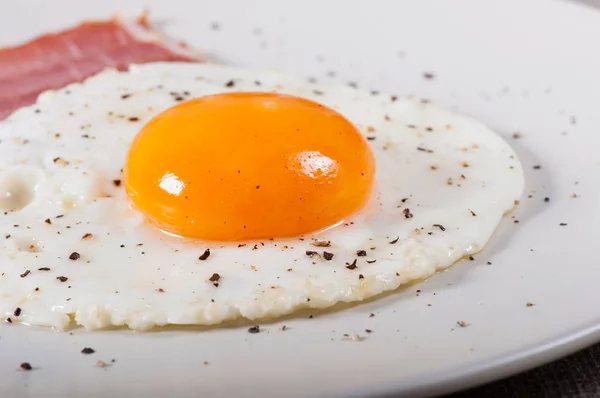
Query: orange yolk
point(244, 166)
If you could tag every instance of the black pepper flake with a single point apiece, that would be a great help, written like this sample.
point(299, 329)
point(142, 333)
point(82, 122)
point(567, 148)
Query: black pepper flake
point(473, 213)
point(47, 221)
point(60, 161)
point(44, 269)
point(214, 279)
point(117, 183)
point(328, 256)
point(26, 366)
point(471, 258)
point(371, 138)
point(546, 200)
point(368, 330)
point(440, 226)
point(8, 320)
point(62, 278)
point(489, 263)
point(311, 253)
point(17, 311)
point(360, 276)
point(516, 221)
point(352, 265)
point(230, 83)
point(407, 213)
point(254, 329)
point(204, 255)
point(394, 241)
point(563, 224)
point(537, 167)
point(24, 274)
point(125, 96)
point(361, 253)
point(88, 350)
point(371, 261)
point(134, 119)
point(428, 76)
point(371, 315)
point(424, 150)
point(74, 256)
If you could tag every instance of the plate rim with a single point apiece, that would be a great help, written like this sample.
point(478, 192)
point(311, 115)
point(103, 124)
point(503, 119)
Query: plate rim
point(487, 371)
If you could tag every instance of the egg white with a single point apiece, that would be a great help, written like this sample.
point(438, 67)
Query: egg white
point(61, 161)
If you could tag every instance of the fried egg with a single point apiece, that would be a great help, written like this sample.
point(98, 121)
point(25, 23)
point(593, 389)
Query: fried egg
point(195, 194)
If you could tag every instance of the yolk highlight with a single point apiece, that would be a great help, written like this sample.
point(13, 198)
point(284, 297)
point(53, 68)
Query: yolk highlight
point(244, 166)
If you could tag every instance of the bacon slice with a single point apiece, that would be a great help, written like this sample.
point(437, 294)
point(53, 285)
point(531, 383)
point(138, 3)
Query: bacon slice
point(55, 60)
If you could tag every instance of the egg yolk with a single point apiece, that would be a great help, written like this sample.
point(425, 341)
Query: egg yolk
point(244, 166)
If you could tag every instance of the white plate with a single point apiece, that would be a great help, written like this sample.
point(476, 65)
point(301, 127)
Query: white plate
point(520, 66)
